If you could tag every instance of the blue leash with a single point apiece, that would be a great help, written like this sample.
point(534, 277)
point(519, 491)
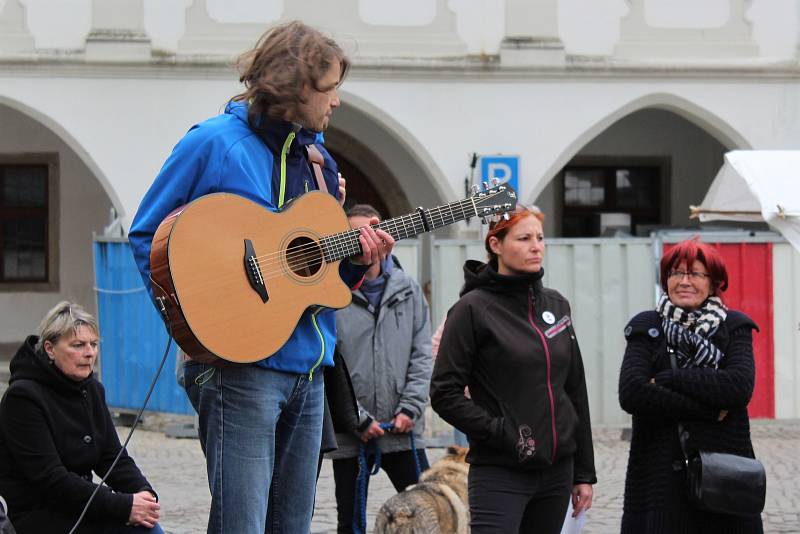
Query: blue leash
point(367, 450)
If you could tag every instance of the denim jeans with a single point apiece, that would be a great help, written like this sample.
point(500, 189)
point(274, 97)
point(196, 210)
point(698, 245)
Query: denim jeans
point(260, 431)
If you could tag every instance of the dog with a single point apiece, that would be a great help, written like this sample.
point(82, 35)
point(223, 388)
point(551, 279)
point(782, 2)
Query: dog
point(437, 504)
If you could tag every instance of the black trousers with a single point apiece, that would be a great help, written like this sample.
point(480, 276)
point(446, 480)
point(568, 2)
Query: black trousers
point(398, 465)
point(503, 500)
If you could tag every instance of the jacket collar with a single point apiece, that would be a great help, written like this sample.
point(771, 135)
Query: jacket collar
point(274, 131)
point(485, 275)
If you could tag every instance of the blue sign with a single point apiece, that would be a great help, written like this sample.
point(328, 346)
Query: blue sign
point(504, 168)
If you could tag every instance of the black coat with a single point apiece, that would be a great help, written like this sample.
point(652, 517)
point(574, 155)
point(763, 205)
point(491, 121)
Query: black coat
point(54, 433)
point(655, 492)
point(525, 375)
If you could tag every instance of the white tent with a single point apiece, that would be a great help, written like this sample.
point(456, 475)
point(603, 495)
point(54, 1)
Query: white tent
point(757, 185)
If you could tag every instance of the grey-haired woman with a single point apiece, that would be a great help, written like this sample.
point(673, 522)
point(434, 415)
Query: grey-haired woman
point(56, 431)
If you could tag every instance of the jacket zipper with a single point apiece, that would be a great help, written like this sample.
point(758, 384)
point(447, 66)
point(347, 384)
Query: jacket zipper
point(549, 382)
point(284, 151)
point(321, 340)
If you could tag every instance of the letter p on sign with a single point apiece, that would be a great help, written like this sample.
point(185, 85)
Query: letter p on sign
point(504, 168)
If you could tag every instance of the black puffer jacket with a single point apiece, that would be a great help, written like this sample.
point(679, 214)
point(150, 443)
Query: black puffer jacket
point(655, 492)
point(511, 341)
point(54, 432)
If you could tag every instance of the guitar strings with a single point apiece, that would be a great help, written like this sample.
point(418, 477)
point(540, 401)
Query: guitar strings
point(348, 241)
point(343, 237)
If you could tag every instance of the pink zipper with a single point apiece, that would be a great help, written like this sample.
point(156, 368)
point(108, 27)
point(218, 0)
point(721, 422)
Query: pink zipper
point(549, 383)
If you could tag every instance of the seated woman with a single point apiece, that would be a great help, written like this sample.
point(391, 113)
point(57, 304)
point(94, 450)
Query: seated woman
point(55, 431)
point(707, 393)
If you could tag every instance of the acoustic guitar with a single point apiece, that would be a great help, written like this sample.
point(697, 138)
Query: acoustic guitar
point(234, 278)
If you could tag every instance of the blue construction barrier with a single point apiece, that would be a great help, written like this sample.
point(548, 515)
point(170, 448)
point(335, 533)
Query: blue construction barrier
point(132, 335)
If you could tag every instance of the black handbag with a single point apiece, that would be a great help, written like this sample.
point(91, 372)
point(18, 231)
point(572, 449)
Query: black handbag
point(720, 482)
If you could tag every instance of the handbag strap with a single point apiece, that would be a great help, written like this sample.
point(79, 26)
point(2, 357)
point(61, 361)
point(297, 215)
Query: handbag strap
point(682, 434)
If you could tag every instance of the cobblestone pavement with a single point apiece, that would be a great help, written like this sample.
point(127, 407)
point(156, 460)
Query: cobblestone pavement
point(177, 470)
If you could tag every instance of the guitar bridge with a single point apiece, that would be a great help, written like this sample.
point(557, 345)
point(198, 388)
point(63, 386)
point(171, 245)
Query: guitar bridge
point(253, 271)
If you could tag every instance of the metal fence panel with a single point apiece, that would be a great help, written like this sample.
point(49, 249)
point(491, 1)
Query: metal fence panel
point(447, 275)
point(408, 253)
point(132, 335)
point(786, 328)
point(607, 281)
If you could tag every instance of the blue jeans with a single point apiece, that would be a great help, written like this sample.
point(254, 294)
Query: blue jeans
point(260, 431)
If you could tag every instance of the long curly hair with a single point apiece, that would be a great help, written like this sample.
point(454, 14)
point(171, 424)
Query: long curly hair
point(285, 60)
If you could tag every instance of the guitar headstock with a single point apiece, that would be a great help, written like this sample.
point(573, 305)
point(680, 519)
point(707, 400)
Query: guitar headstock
point(497, 200)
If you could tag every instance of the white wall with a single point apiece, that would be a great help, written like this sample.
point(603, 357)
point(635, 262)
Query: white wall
point(83, 209)
point(586, 27)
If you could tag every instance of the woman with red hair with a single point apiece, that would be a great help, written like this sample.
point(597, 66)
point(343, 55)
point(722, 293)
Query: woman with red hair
point(705, 389)
point(511, 341)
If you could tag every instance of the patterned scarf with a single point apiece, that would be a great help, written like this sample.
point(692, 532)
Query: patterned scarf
point(688, 331)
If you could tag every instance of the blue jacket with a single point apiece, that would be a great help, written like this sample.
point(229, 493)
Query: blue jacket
point(223, 154)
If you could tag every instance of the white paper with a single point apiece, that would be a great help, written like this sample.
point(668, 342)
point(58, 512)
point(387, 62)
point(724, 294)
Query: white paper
point(573, 525)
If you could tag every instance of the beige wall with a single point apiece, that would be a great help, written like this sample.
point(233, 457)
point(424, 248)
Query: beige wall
point(83, 208)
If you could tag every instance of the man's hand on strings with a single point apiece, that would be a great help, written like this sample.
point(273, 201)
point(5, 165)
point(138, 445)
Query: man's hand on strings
point(375, 244)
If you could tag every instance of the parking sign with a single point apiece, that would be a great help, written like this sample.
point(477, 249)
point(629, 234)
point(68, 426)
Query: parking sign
point(504, 168)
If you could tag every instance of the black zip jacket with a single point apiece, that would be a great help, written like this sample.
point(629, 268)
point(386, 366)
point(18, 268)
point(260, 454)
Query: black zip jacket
point(54, 432)
point(511, 341)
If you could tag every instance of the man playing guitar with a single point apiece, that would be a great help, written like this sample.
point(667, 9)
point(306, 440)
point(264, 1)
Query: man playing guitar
point(260, 423)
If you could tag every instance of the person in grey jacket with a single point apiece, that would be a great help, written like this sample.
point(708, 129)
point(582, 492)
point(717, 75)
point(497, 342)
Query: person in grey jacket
point(385, 339)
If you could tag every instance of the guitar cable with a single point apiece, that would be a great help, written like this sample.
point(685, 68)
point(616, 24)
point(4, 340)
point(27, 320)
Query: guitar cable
point(168, 323)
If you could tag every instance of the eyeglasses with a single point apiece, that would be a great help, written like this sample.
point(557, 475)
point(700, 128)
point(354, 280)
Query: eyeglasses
point(694, 276)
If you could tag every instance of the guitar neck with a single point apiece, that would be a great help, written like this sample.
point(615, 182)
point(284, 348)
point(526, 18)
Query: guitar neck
point(346, 244)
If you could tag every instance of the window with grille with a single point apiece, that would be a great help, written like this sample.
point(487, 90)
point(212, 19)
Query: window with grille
point(600, 198)
point(24, 222)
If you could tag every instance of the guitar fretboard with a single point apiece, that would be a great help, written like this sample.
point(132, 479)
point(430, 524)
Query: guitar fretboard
point(346, 244)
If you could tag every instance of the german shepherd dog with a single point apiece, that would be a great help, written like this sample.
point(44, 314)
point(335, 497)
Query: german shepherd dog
point(437, 504)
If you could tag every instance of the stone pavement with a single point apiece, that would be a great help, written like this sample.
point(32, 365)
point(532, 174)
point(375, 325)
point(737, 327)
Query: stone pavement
point(177, 470)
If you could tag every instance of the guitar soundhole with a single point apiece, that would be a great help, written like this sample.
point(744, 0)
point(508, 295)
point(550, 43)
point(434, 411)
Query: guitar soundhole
point(304, 256)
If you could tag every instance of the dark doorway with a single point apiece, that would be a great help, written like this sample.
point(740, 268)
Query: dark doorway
point(359, 189)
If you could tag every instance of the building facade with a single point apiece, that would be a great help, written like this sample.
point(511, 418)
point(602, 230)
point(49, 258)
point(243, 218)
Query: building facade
point(618, 112)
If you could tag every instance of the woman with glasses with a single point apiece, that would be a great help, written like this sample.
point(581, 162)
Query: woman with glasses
point(706, 390)
point(56, 432)
point(510, 339)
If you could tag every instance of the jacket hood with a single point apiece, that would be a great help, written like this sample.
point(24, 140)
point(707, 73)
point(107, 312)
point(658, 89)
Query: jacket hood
point(274, 129)
point(30, 364)
point(479, 274)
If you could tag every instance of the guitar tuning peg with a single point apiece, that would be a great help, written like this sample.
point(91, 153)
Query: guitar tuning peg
point(506, 216)
point(475, 189)
point(485, 185)
point(495, 182)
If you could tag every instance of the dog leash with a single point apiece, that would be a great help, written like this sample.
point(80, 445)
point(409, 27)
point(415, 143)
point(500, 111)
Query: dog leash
point(368, 450)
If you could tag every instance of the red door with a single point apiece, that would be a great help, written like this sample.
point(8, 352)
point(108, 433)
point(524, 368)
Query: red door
point(749, 268)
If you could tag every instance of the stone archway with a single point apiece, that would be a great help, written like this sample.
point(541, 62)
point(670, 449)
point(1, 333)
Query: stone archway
point(79, 205)
point(392, 161)
point(672, 139)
